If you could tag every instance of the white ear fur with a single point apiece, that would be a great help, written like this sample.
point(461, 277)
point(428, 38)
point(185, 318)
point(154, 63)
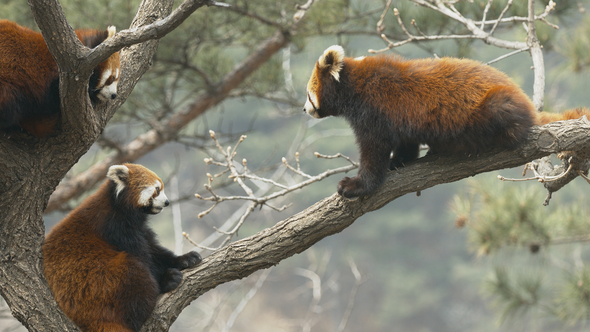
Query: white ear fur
point(112, 30)
point(333, 59)
point(118, 174)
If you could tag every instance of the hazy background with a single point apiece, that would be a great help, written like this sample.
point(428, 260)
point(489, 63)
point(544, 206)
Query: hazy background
point(419, 272)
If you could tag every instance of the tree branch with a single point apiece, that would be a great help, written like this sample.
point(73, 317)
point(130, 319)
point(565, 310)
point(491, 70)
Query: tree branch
point(153, 139)
point(333, 214)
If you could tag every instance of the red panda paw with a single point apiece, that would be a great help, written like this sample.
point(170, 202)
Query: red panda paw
point(351, 188)
point(170, 280)
point(189, 259)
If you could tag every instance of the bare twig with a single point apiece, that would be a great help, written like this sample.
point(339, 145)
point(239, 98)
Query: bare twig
point(380, 26)
point(240, 176)
point(240, 307)
point(351, 299)
point(508, 4)
point(538, 177)
point(485, 13)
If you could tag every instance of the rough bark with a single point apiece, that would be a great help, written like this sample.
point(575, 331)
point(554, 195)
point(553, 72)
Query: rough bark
point(333, 214)
point(30, 169)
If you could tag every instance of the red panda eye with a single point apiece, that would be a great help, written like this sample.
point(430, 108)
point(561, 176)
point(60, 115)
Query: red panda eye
point(157, 191)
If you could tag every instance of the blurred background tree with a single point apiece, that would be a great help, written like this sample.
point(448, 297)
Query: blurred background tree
point(402, 268)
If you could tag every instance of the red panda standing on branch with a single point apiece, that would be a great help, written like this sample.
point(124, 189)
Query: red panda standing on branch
point(29, 78)
point(394, 105)
point(103, 262)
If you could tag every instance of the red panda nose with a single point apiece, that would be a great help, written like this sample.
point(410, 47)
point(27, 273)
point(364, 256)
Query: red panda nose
point(113, 96)
point(167, 203)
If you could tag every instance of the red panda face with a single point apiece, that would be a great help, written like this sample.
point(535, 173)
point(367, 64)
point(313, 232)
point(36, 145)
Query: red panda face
point(139, 187)
point(106, 89)
point(327, 67)
point(108, 74)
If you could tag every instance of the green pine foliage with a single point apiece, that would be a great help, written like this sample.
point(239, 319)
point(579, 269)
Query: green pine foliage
point(537, 252)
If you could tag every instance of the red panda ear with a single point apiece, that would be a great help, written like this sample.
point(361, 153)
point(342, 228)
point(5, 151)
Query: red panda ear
point(119, 174)
point(332, 60)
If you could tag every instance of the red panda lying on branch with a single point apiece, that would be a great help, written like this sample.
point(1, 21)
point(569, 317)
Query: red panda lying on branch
point(29, 78)
point(394, 105)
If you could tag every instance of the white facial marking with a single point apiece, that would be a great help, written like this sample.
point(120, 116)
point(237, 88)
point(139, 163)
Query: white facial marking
point(117, 74)
point(146, 195)
point(103, 79)
point(158, 202)
point(360, 58)
point(310, 105)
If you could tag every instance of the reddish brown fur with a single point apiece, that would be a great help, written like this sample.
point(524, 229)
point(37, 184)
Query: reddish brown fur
point(438, 104)
point(29, 87)
point(394, 105)
point(104, 270)
point(576, 113)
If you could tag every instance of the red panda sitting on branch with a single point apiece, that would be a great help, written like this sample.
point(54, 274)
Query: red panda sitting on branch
point(102, 261)
point(394, 105)
point(29, 78)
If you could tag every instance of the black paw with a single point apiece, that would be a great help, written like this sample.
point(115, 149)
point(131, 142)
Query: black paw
point(351, 188)
point(170, 280)
point(189, 259)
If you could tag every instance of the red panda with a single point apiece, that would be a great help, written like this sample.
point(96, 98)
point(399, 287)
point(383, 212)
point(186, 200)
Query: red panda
point(102, 261)
point(394, 105)
point(29, 78)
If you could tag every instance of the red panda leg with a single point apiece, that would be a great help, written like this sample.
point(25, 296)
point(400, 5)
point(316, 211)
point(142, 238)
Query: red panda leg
point(404, 154)
point(374, 164)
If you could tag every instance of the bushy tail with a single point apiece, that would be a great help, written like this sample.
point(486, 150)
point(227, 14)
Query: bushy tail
point(576, 113)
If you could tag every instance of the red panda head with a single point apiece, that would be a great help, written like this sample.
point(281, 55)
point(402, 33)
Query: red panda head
point(138, 187)
point(104, 79)
point(328, 67)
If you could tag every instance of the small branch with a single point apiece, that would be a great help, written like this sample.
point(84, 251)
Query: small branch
point(507, 55)
point(255, 16)
point(538, 177)
point(186, 236)
point(583, 176)
point(508, 4)
point(485, 13)
point(537, 57)
point(245, 175)
point(352, 298)
point(380, 26)
point(338, 155)
point(240, 307)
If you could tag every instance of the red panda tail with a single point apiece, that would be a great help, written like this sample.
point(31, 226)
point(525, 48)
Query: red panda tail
point(576, 113)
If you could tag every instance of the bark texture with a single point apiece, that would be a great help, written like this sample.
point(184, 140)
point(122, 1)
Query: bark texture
point(333, 214)
point(31, 169)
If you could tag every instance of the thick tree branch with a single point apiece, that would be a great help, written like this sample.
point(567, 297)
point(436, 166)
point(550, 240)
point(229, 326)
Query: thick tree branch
point(141, 33)
point(333, 214)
